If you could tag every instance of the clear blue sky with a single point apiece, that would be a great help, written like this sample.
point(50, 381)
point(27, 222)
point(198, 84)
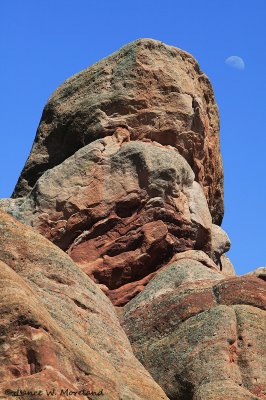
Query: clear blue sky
point(43, 42)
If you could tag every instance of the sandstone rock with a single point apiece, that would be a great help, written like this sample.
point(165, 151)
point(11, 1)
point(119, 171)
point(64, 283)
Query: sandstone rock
point(259, 273)
point(226, 266)
point(220, 243)
point(201, 336)
point(146, 90)
point(121, 211)
point(125, 176)
point(57, 329)
point(196, 255)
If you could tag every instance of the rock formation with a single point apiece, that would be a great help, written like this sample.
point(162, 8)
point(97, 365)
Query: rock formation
point(201, 336)
point(156, 92)
point(58, 330)
point(125, 176)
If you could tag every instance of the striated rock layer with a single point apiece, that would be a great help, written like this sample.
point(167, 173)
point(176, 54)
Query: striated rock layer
point(201, 336)
point(156, 92)
point(125, 176)
point(125, 170)
point(121, 211)
point(57, 329)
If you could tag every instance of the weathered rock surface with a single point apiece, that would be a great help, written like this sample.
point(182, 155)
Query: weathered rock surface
point(259, 273)
point(220, 243)
point(57, 329)
point(120, 210)
point(201, 335)
point(226, 266)
point(125, 176)
point(156, 92)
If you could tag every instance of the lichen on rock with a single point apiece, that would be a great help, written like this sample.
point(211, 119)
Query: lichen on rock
point(125, 176)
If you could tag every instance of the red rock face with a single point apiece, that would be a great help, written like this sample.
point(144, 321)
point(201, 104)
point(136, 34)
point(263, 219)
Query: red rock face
point(146, 182)
point(121, 211)
point(57, 329)
point(156, 91)
point(125, 176)
point(201, 336)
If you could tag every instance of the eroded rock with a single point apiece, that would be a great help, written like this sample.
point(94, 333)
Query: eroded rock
point(58, 330)
point(125, 176)
point(220, 243)
point(191, 328)
point(156, 92)
point(121, 211)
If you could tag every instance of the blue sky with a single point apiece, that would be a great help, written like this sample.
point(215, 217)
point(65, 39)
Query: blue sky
point(46, 41)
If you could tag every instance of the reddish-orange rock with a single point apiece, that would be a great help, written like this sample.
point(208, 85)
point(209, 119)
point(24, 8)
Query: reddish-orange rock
point(125, 176)
point(156, 92)
point(201, 335)
point(120, 210)
point(57, 329)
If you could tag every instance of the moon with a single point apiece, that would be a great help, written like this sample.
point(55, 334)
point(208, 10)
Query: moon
point(235, 62)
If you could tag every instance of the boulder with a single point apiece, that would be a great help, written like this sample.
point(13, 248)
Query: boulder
point(57, 329)
point(125, 179)
point(147, 90)
point(220, 243)
point(199, 334)
point(120, 210)
point(226, 266)
point(259, 273)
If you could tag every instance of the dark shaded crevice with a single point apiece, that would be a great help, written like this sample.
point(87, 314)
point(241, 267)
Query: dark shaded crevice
point(35, 366)
point(96, 231)
point(24, 320)
point(125, 244)
point(126, 208)
point(84, 307)
point(59, 279)
point(216, 294)
point(185, 388)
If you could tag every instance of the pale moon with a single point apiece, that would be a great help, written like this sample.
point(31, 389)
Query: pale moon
point(235, 62)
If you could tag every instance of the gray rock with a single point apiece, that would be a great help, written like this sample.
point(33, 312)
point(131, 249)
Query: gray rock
point(226, 266)
point(198, 332)
point(220, 242)
point(157, 92)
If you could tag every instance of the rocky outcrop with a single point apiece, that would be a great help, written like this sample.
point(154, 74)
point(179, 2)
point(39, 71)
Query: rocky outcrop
point(156, 92)
point(125, 176)
point(200, 335)
point(121, 211)
point(57, 329)
point(259, 273)
point(146, 182)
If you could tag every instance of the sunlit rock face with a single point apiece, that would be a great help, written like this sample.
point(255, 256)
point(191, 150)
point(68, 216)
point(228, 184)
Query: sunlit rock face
point(125, 170)
point(125, 176)
point(200, 335)
point(157, 92)
point(57, 329)
point(121, 211)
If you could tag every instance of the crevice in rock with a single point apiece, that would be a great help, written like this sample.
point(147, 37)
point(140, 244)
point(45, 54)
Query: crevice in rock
point(35, 366)
point(185, 388)
point(216, 294)
point(239, 346)
point(84, 307)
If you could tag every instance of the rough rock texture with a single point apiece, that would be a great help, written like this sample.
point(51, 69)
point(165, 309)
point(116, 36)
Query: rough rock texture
point(226, 266)
point(125, 176)
point(156, 91)
point(57, 329)
point(259, 273)
point(220, 243)
point(120, 210)
point(201, 336)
